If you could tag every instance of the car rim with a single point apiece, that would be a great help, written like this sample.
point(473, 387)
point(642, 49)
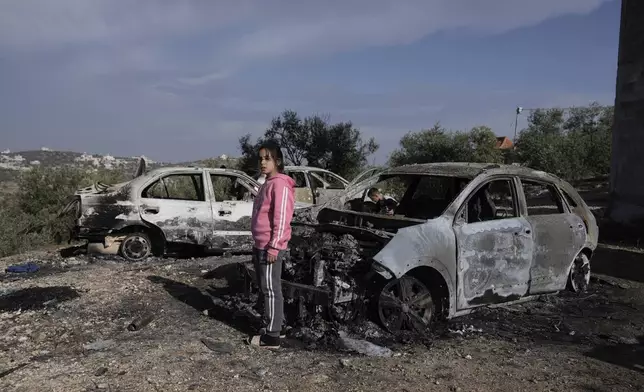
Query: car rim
point(405, 303)
point(580, 275)
point(136, 247)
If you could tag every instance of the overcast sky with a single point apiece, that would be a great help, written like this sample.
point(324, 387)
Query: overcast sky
point(183, 80)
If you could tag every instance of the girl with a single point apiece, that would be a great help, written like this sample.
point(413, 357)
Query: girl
point(271, 228)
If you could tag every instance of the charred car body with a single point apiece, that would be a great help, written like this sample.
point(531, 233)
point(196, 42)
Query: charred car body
point(209, 208)
point(314, 185)
point(461, 236)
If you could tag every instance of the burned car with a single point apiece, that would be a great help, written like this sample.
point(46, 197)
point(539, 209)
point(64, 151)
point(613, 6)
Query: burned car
point(315, 185)
point(209, 208)
point(461, 236)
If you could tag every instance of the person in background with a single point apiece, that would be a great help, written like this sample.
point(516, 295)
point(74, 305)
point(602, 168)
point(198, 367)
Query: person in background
point(271, 228)
point(384, 205)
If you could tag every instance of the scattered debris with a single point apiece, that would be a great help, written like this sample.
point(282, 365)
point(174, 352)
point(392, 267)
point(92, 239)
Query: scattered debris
point(100, 371)
point(345, 363)
point(465, 329)
point(260, 372)
point(363, 346)
point(219, 347)
point(27, 267)
point(139, 323)
point(113, 294)
point(99, 345)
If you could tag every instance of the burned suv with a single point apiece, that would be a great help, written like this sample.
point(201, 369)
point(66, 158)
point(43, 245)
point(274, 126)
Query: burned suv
point(461, 235)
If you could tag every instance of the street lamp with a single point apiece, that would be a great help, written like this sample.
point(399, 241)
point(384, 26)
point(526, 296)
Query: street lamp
point(516, 122)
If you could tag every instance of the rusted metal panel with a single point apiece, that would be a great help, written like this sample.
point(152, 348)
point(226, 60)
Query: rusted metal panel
point(558, 238)
point(304, 195)
point(494, 260)
point(431, 244)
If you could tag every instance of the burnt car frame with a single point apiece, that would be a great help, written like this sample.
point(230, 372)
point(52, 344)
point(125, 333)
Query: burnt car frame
point(463, 235)
point(314, 185)
point(206, 207)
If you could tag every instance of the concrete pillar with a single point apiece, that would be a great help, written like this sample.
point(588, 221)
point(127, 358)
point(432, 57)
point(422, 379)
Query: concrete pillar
point(627, 162)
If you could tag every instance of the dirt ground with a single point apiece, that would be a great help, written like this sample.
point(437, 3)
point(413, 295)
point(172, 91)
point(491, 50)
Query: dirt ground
point(64, 328)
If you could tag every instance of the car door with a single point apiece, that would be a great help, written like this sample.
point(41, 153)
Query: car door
point(232, 208)
point(494, 245)
point(303, 193)
point(325, 185)
point(558, 234)
point(177, 203)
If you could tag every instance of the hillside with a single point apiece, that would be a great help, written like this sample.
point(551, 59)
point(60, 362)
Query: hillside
point(12, 163)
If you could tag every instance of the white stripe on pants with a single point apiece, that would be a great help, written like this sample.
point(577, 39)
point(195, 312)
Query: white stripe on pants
point(269, 278)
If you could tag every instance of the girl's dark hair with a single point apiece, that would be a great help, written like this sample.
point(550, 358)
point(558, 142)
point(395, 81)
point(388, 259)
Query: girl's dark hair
point(276, 153)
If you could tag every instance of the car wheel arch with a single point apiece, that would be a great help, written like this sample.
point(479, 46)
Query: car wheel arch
point(587, 252)
point(156, 235)
point(437, 280)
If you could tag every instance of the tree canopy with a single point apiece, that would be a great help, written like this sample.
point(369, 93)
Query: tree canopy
point(438, 144)
point(572, 145)
point(312, 141)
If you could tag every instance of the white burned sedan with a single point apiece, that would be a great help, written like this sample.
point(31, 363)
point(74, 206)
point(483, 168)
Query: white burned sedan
point(204, 207)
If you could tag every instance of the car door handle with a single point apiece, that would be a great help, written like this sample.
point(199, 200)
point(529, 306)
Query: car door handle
point(527, 231)
point(224, 212)
point(152, 210)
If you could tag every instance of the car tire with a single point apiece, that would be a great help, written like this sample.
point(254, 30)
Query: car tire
point(136, 247)
point(416, 309)
point(579, 275)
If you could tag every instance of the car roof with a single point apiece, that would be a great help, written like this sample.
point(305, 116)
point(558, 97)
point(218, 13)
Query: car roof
point(306, 168)
point(314, 169)
point(469, 170)
point(168, 169)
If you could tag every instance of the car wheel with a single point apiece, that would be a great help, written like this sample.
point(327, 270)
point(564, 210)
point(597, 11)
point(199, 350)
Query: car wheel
point(136, 247)
point(579, 276)
point(406, 304)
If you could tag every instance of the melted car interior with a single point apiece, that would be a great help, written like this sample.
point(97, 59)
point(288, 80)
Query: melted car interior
point(404, 200)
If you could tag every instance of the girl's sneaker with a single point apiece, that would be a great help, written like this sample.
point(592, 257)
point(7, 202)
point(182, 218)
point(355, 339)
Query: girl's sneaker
point(265, 341)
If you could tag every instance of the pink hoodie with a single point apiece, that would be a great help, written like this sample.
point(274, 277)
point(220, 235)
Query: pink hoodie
point(272, 213)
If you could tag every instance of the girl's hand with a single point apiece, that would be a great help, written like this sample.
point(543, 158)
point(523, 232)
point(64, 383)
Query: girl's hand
point(270, 259)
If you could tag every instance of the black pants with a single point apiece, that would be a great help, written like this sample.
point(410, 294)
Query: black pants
point(269, 279)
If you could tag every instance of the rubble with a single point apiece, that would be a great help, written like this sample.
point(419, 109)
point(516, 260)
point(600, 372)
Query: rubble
point(171, 353)
point(363, 346)
point(139, 323)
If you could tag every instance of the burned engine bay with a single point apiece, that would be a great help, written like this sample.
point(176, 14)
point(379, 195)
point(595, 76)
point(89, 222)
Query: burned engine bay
point(327, 276)
point(327, 272)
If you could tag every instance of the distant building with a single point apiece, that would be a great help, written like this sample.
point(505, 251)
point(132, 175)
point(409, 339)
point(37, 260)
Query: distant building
point(504, 143)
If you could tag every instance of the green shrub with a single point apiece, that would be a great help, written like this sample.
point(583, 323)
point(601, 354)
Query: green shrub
point(30, 216)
